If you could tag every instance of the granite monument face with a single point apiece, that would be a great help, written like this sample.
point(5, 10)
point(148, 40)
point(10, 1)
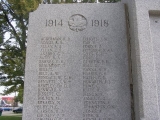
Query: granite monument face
point(155, 28)
point(77, 63)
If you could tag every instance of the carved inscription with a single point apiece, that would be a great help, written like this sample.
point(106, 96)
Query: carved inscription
point(51, 82)
point(94, 78)
point(77, 22)
point(101, 23)
point(54, 23)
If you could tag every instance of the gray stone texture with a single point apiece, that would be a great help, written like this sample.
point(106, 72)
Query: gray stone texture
point(77, 63)
point(144, 35)
point(155, 35)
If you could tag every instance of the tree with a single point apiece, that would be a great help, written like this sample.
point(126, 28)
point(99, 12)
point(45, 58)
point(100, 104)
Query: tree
point(14, 21)
point(14, 16)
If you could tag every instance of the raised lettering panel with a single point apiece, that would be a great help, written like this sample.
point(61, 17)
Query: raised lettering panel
point(80, 63)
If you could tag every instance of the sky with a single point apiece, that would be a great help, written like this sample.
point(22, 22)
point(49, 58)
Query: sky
point(1, 91)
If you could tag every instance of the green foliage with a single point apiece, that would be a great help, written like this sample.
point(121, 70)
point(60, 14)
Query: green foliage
point(1, 35)
point(13, 59)
point(68, 1)
point(24, 6)
point(20, 95)
point(14, 21)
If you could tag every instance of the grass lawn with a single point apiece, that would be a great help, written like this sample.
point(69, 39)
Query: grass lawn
point(18, 117)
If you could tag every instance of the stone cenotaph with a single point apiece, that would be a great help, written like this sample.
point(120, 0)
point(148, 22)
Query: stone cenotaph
point(77, 63)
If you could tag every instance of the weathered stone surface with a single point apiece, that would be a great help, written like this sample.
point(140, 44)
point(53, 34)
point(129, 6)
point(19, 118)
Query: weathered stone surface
point(144, 34)
point(155, 29)
point(77, 63)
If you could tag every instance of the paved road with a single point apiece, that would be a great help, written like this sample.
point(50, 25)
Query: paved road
point(9, 113)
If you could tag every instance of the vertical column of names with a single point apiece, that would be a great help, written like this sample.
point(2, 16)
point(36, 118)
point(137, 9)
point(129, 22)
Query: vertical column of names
point(51, 81)
point(94, 80)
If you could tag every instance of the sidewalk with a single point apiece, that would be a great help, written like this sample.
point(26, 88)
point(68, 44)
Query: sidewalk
point(10, 113)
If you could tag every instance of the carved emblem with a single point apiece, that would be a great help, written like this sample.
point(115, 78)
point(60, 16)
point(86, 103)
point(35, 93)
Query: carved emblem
point(77, 22)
